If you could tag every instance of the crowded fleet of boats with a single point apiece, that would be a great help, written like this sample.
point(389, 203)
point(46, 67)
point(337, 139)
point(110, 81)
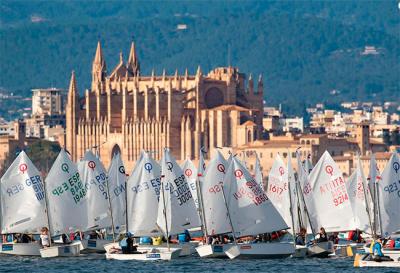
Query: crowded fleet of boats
point(163, 211)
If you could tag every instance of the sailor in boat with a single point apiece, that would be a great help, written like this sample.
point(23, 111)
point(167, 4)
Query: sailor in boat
point(301, 237)
point(323, 237)
point(334, 237)
point(44, 237)
point(355, 236)
point(184, 237)
point(377, 254)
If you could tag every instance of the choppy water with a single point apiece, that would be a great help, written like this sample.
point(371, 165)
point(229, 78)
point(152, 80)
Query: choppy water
point(97, 263)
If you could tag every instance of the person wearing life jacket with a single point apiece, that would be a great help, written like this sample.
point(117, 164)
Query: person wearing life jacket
point(44, 237)
point(323, 237)
point(301, 237)
point(377, 254)
point(184, 237)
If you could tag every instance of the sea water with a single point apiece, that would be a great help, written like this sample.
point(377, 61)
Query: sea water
point(97, 263)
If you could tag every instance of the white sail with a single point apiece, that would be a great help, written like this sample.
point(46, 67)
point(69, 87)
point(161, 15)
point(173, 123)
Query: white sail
point(294, 200)
point(258, 176)
point(176, 200)
point(250, 209)
point(22, 198)
point(389, 196)
point(116, 182)
point(278, 190)
point(302, 180)
point(190, 172)
point(94, 177)
point(143, 193)
point(326, 197)
point(357, 190)
point(215, 213)
point(373, 177)
point(66, 195)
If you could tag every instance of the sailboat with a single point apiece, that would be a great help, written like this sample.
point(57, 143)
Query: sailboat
point(22, 205)
point(327, 202)
point(251, 213)
point(387, 202)
point(177, 210)
point(99, 213)
point(66, 205)
point(142, 195)
point(359, 197)
point(214, 213)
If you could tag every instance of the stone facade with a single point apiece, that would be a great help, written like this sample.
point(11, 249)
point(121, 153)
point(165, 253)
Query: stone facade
point(125, 111)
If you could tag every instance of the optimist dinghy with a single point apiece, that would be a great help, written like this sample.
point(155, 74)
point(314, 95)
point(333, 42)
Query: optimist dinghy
point(22, 205)
point(251, 213)
point(66, 196)
point(365, 260)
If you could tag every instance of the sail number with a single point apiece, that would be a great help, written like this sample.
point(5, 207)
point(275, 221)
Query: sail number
point(74, 185)
point(340, 199)
point(393, 188)
point(34, 181)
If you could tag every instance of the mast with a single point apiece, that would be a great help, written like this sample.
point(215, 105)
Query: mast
point(126, 205)
point(304, 202)
point(165, 214)
point(229, 215)
point(291, 203)
point(365, 194)
point(378, 208)
point(111, 211)
point(47, 212)
point(200, 199)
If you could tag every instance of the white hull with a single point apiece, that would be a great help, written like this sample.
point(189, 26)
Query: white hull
point(28, 249)
point(69, 250)
point(94, 245)
point(358, 262)
point(151, 253)
point(213, 251)
point(261, 250)
point(187, 249)
point(300, 252)
point(153, 256)
point(321, 250)
point(392, 253)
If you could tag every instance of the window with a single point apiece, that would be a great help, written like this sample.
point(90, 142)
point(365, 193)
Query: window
point(284, 155)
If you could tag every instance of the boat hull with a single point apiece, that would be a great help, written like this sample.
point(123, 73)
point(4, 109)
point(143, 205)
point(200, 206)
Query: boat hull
point(300, 252)
point(321, 250)
point(213, 251)
point(94, 245)
point(151, 256)
point(20, 249)
point(360, 262)
point(70, 250)
point(260, 251)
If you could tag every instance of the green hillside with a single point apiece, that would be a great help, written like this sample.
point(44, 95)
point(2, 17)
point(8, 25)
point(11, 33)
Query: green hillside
point(304, 49)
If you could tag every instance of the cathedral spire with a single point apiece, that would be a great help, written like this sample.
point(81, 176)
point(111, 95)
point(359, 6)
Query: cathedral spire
point(98, 57)
point(133, 62)
point(72, 91)
point(260, 86)
point(99, 70)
